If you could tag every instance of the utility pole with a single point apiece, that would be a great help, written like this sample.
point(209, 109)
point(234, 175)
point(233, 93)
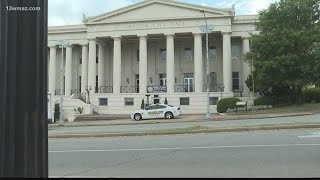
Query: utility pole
point(208, 114)
point(252, 75)
point(63, 44)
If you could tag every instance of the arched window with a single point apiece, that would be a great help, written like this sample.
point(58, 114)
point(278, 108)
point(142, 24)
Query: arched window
point(213, 82)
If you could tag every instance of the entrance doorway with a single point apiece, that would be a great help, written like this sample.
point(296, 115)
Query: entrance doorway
point(137, 82)
point(188, 82)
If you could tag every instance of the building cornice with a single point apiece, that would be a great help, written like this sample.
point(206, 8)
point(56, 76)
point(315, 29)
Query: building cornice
point(67, 29)
point(219, 12)
point(243, 19)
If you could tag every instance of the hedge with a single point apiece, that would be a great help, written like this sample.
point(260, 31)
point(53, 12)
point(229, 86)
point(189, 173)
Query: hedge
point(262, 101)
point(227, 103)
point(56, 112)
point(312, 94)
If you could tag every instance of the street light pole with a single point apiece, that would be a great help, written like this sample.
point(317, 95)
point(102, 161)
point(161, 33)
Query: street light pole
point(88, 92)
point(208, 115)
point(252, 75)
point(63, 44)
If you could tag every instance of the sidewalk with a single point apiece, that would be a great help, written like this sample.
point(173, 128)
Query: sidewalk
point(186, 125)
point(183, 118)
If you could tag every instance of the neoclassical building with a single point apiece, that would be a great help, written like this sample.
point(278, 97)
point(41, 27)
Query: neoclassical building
point(155, 48)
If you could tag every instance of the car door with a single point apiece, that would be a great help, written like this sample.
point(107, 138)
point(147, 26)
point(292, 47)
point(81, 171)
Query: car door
point(151, 112)
point(161, 109)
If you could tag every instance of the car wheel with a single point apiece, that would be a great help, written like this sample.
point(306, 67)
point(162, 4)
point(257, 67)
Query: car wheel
point(137, 117)
point(169, 115)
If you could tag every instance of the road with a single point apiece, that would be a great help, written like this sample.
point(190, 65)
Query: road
point(216, 124)
point(282, 153)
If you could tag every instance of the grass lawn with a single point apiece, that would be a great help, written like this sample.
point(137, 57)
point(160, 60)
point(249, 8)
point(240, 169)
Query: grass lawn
point(291, 108)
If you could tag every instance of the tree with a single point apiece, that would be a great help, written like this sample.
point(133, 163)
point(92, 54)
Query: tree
point(286, 51)
point(56, 112)
point(165, 101)
point(142, 104)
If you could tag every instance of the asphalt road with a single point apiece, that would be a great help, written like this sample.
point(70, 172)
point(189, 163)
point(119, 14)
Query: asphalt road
point(282, 153)
point(162, 126)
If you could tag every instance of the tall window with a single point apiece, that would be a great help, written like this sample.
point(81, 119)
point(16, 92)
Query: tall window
point(138, 55)
point(213, 82)
point(163, 79)
point(64, 85)
point(188, 54)
point(80, 57)
point(96, 88)
point(235, 80)
point(80, 83)
point(188, 82)
point(235, 52)
point(97, 54)
point(213, 53)
point(163, 54)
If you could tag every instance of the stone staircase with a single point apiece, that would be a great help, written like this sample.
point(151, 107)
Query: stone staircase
point(69, 106)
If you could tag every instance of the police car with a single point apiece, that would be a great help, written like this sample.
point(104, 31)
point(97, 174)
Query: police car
point(156, 111)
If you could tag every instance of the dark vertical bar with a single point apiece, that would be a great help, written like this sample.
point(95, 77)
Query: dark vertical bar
point(23, 89)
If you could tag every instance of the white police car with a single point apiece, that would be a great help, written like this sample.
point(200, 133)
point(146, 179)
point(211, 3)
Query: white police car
point(156, 111)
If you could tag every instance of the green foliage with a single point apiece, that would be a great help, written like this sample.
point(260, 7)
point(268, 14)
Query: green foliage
point(142, 104)
point(312, 94)
point(78, 110)
point(286, 52)
point(165, 101)
point(264, 100)
point(56, 112)
point(227, 103)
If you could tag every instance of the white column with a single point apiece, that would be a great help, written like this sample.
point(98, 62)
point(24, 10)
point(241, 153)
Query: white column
point(92, 65)
point(245, 66)
point(143, 65)
point(84, 68)
point(227, 66)
point(68, 70)
point(52, 69)
point(170, 63)
point(116, 65)
point(198, 63)
point(101, 69)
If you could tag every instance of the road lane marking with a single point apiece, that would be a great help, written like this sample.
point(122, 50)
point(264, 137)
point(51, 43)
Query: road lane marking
point(183, 148)
point(312, 135)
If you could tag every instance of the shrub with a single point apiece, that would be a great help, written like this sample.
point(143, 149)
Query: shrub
point(312, 94)
point(142, 104)
point(262, 101)
point(227, 103)
point(165, 101)
point(78, 110)
point(56, 112)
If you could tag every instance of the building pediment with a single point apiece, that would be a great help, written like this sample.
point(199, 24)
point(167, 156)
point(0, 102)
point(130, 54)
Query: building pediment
point(149, 10)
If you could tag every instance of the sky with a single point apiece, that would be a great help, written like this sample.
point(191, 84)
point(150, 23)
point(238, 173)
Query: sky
point(69, 12)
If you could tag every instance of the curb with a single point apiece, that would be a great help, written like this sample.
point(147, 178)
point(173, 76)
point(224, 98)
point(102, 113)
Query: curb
point(191, 120)
point(141, 133)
